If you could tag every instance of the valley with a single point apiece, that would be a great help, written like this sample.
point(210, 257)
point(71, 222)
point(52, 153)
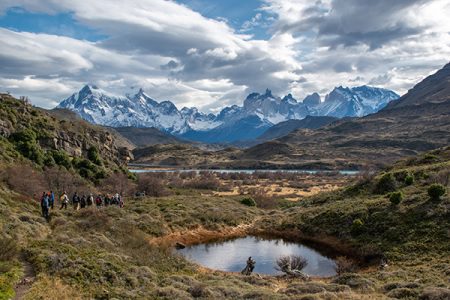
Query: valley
point(241, 150)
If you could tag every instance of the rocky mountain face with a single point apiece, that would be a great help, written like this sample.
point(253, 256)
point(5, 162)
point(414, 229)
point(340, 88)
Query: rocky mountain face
point(37, 133)
point(433, 89)
point(258, 113)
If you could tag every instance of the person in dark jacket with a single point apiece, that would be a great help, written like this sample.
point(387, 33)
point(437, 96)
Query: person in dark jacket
point(76, 201)
point(45, 204)
point(83, 201)
point(98, 201)
point(90, 200)
point(52, 199)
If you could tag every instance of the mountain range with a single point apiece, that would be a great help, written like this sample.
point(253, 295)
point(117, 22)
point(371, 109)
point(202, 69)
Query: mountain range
point(234, 123)
point(419, 121)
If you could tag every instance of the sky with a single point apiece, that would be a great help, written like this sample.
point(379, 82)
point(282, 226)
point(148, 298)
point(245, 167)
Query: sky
point(211, 53)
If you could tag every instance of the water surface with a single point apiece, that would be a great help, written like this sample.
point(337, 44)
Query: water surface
point(246, 171)
point(231, 255)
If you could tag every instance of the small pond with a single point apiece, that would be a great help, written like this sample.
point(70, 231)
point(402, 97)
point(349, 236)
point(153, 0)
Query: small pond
point(231, 255)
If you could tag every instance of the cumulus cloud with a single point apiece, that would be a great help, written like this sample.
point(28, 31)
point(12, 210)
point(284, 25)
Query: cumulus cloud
point(177, 54)
point(393, 44)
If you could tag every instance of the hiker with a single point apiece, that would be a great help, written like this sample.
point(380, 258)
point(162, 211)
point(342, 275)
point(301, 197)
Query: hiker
point(107, 200)
point(90, 200)
point(52, 199)
point(121, 202)
point(249, 267)
point(76, 201)
point(98, 201)
point(83, 201)
point(64, 200)
point(45, 204)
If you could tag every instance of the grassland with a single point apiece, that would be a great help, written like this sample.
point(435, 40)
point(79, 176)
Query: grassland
point(127, 253)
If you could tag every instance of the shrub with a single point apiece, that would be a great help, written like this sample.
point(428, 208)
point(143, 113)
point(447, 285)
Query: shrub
point(248, 201)
point(386, 184)
point(409, 179)
point(344, 265)
point(435, 191)
point(48, 160)
point(396, 197)
point(289, 263)
point(435, 293)
point(401, 293)
point(94, 156)
point(9, 249)
point(151, 185)
point(357, 227)
point(61, 158)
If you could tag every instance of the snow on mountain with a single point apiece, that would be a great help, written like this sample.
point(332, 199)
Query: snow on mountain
point(139, 110)
point(259, 111)
point(354, 102)
point(198, 120)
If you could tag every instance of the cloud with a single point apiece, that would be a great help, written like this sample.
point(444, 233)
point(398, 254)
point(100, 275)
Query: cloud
point(393, 44)
point(145, 42)
point(177, 54)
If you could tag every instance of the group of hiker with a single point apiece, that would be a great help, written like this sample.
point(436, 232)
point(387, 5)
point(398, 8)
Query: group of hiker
point(48, 201)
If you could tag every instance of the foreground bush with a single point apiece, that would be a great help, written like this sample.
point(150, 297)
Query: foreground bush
point(248, 201)
point(409, 179)
point(357, 227)
point(9, 249)
point(344, 265)
point(386, 184)
point(292, 265)
point(435, 191)
point(396, 198)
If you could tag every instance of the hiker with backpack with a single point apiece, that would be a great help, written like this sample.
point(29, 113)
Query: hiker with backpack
point(64, 201)
point(90, 200)
point(83, 201)
point(98, 201)
point(52, 199)
point(76, 201)
point(45, 204)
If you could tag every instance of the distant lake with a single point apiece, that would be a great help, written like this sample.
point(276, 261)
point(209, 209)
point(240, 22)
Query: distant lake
point(231, 256)
point(246, 171)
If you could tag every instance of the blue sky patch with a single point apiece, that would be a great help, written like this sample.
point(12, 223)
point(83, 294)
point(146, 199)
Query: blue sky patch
point(62, 24)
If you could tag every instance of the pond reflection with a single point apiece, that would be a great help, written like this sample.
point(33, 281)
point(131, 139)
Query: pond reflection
point(232, 255)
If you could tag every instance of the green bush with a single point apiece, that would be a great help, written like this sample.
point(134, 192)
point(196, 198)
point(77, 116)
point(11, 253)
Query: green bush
point(386, 184)
point(435, 191)
point(409, 179)
point(357, 227)
point(25, 142)
point(61, 158)
point(48, 160)
point(94, 156)
point(396, 197)
point(248, 201)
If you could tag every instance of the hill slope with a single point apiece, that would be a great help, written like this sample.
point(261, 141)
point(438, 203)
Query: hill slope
point(142, 137)
point(49, 138)
point(284, 128)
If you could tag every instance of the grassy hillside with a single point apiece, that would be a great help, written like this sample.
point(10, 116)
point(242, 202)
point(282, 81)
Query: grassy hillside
point(55, 138)
point(126, 253)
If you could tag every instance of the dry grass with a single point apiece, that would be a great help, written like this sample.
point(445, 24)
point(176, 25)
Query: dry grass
point(53, 288)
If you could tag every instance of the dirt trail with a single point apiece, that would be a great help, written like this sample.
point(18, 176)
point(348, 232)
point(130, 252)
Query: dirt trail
point(27, 280)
